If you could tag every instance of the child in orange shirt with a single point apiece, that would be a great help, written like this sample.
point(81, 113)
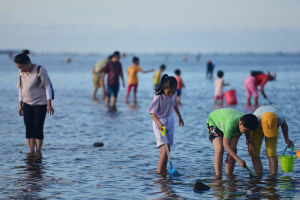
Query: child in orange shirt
point(133, 78)
point(180, 85)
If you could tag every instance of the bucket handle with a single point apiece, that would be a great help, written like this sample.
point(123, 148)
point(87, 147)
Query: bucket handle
point(291, 151)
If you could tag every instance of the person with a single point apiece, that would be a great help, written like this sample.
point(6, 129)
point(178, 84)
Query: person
point(254, 80)
point(157, 75)
point(209, 69)
point(161, 110)
point(219, 84)
point(98, 80)
point(113, 69)
point(269, 120)
point(225, 127)
point(180, 85)
point(35, 95)
point(133, 78)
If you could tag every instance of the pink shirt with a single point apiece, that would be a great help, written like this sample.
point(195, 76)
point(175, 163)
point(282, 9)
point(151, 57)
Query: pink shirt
point(162, 105)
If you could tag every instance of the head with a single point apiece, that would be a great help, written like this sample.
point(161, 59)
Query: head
point(271, 76)
point(177, 72)
point(220, 74)
point(23, 61)
point(162, 67)
point(168, 86)
point(110, 57)
point(116, 56)
point(136, 60)
point(248, 123)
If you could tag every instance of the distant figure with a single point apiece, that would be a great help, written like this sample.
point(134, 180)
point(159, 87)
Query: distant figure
point(35, 95)
point(198, 56)
point(156, 77)
point(113, 69)
point(184, 59)
point(219, 84)
point(257, 78)
point(209, 69)
point(68, 60)
point(161, 110)
point(98, 79)
point(180, 85)
point(132, 72)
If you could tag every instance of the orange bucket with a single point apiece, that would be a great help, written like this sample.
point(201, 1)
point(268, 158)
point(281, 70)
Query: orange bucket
point(230, 97)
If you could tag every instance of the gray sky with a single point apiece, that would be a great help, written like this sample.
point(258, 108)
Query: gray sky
point(142, 26)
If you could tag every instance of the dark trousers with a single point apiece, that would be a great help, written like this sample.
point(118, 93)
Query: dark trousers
point(34, 118)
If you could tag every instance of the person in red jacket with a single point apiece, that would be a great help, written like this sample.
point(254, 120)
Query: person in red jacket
point(254, 80)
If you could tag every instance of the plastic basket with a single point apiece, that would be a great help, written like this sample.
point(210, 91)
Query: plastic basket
point(287, 161)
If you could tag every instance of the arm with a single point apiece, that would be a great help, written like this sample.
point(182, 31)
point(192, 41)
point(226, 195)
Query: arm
point(181, 123)
point(50, 110)
point(264, 81)
point(159, 124)
point(249, 143)
point(228, 148)
point(147, 71)
point(285, 131)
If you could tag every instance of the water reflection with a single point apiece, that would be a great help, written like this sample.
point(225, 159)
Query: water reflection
point(31, 184)
point(165, 187)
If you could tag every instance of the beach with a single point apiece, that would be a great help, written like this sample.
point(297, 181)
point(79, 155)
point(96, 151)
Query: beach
point(124, 168)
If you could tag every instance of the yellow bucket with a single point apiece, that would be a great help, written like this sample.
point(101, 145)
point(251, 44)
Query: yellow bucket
point(287, 161)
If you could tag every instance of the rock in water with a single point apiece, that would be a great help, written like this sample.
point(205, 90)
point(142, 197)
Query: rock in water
point(200, 187)
point(98, 144)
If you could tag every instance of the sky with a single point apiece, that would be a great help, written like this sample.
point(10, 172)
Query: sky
point(156, 26)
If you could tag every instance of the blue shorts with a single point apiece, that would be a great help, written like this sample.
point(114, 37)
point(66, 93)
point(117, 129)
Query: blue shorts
point(179, 92)
point(112, 89)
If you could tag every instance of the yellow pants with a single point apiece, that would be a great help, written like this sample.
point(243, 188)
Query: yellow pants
point(97, 81)
point(257, 137)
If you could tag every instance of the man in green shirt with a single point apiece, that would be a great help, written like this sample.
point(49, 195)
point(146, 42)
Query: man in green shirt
point(225, 126)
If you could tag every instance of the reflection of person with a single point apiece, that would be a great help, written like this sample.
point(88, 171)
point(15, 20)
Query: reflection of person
point(254, 80)
point(161, 110)
point(219, 84)
point(98, 82)
point(180, 85)
point(113, 69)
point(225, 127)
point(269, 121)
point(156, 77)
point(35, 95)
point(133, 78)
point(209, 69)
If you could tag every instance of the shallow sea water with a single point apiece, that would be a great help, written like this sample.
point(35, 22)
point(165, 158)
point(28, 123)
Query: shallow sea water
point(124, 168)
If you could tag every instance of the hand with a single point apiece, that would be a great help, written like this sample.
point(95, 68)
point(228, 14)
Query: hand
point(289, 142)
point(50, 110)
point(181, 123)
point(20, 110)
point(251, 150)
point(241, 162)
point(159, 126)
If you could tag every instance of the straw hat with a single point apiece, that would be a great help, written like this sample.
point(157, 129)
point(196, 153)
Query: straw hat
point(269, 124)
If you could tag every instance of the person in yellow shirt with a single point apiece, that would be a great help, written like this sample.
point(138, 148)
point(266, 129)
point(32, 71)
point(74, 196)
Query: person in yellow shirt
point(133, 78)
point(157, 75)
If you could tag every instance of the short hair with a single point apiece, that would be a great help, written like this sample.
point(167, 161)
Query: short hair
point(249, 121)
point(110, 57)
point(116, 53)
point(177, 72)
point(162, 66)
point(220, 74)
point(135, 59)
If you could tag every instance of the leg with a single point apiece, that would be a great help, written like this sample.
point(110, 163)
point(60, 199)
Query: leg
point(128, 93)
point(38, 143)
point(30, 145)
point(218, 155)
point(248, 101)
point(256, 101)
point(113, 101)
point(134, 98)
point(95, 93)
point(271, 146)
point(229, 167)
point(163, 160)
point(257, 137)
point(273, 165)
point(107, 101)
